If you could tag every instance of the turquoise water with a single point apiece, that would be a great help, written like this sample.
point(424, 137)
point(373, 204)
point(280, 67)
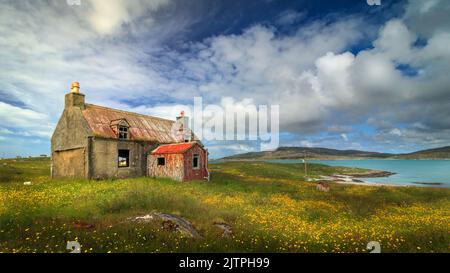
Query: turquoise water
point(408, 172)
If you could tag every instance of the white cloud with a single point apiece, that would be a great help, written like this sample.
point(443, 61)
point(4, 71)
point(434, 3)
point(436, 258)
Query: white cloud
point(4, 131)
point(229, 149)
point(427, 18)
point(396, 132)
point(280, 70)
point(334, 75)
point(108, 15)
point(289, 17)
point(395, 41)
point(15, 115)
point(36, 124)
point(306, 143)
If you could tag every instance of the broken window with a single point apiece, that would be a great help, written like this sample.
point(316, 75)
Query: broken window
point(161, 161)
point(124, 158)
point(195, 161)
point(123, 132)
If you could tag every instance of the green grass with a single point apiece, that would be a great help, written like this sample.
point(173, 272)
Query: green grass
point(24, 169)
point(269, 206)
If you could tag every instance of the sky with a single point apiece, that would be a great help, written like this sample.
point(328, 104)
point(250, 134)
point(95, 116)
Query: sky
point(345, 74)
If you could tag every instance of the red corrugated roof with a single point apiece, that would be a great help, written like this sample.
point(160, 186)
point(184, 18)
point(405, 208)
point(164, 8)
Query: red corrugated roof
point(178, 148)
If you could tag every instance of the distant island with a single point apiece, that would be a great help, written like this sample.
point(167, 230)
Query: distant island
point(326, 153)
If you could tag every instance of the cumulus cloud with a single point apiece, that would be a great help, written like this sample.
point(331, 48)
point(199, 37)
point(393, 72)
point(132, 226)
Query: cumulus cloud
point(106, 16)
point(30, 122)
point(260, 65)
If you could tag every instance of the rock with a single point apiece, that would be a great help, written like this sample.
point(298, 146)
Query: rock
point(428, 183)
point(373, 173)
point(227, 230)
point(170, 222)
point(145, 218)
point(321, 186)
point(324, 177)
point(81, 225)
point(28, 183)
point(343, 178)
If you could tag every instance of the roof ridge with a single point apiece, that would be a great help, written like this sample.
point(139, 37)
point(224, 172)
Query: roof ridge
point(127, 112)
point(179, 143)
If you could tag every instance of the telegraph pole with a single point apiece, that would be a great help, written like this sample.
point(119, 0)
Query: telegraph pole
point(306, 169)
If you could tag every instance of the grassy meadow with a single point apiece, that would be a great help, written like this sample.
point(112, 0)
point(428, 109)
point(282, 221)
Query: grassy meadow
point(270, 207)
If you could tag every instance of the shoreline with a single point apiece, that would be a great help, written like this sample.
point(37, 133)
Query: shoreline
point(353, 179)
point(350, 180)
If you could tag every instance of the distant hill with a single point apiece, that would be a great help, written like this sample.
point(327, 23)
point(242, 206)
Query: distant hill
point(437, 153)
point(301, 152)
point(325, 153)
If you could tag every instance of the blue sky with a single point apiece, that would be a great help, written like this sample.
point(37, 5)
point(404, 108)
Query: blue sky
point(346, 74)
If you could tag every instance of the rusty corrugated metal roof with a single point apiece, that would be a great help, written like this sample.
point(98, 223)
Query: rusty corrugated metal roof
point(142, 127)
point(178, 148)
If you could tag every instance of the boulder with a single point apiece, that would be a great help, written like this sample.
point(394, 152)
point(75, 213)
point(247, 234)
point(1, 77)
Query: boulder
point(226, 229)
point(170, 222)
point(321, 186)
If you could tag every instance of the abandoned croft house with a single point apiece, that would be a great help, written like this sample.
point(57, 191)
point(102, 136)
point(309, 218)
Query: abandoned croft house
point(96, 142)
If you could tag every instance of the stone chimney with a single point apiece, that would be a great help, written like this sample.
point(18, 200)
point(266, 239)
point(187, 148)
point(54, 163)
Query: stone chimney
point(184, 131)
point(75, 98)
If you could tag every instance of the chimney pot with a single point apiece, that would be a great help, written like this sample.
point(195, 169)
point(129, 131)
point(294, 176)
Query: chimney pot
point(75, 87)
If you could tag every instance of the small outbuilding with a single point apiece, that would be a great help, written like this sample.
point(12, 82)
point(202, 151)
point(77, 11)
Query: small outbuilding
point(180, 161)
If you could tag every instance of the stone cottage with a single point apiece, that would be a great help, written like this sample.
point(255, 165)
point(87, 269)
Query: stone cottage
point(96, 142)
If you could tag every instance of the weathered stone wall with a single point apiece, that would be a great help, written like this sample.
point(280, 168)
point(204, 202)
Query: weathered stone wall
point(69, 138)
point(104, 158)
point(71, 132)
point(69, 163)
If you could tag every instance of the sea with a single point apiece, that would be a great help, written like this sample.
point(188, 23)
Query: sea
point(425, 173)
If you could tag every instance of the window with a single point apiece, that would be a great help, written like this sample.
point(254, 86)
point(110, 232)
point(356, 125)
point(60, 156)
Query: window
point(196, 161)
point(123, 132)
point(161, 161)
point(124, 158)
